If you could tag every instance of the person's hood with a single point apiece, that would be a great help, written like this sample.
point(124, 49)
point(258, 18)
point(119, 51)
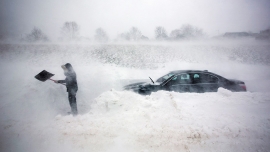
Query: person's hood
point(68, 70)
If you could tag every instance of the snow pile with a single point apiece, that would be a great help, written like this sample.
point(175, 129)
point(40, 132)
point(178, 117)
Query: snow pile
point(171, 121)
point(225, 92)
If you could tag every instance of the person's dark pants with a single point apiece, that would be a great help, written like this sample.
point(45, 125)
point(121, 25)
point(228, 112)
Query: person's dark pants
point(72, 102)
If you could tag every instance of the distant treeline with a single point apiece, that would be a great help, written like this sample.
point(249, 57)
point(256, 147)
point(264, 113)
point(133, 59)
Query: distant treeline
point(70, 32)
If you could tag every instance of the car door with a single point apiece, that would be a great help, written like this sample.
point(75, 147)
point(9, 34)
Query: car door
point(179, 83)
point(204, 82)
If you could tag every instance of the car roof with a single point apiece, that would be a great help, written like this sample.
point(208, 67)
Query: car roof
point(186, 71)
point(191, 71)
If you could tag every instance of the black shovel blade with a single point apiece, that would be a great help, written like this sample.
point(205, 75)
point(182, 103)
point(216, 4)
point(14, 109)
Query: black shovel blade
point(44, 75)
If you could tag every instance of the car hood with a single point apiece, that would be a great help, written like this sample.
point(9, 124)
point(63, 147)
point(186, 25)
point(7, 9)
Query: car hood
point(136, 86)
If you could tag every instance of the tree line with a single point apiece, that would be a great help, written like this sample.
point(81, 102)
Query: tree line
point(70, 32)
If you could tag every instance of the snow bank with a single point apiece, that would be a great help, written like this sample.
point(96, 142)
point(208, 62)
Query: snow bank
point(125, 121)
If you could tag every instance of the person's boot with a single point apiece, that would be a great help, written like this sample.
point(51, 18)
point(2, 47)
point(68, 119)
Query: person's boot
point(74, 109)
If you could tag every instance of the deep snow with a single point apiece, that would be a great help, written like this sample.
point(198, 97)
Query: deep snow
point(33, 114)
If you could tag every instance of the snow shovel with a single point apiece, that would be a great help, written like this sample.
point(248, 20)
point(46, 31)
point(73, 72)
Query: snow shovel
point(45, 75)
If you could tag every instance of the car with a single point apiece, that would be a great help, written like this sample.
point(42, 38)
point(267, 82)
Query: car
point(188, 81)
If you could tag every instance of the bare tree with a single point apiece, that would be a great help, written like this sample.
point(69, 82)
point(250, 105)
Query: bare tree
point(101, 35)
point(160, 33)
point(135, 34)
point(190, 31)
point(176, 34)
point(36, 35)
point(70, 30)
point(186, 32)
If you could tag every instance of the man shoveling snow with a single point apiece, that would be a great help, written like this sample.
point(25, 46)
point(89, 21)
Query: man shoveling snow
point(72, 87)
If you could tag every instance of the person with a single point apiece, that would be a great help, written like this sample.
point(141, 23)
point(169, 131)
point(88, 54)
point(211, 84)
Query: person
point(72, 86)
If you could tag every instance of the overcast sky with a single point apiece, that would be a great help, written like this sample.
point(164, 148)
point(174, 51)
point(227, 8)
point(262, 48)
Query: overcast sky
point(118, 16)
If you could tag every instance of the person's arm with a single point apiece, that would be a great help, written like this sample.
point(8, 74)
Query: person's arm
point(60, 81)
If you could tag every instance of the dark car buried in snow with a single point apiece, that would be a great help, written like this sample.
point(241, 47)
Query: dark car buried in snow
point(188, 81)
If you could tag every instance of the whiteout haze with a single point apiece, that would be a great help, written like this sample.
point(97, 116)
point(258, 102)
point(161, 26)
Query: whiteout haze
point(33, 114)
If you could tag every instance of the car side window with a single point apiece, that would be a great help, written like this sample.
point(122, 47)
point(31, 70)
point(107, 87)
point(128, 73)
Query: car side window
point(181, 79)
point(211, 79)
point(196, 78)
point(204, 78)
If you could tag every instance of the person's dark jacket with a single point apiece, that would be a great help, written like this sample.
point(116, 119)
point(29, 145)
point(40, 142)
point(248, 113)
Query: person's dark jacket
point(71, 80)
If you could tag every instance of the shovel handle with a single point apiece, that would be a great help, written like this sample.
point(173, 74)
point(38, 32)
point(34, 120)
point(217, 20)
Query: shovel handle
point(59, 83)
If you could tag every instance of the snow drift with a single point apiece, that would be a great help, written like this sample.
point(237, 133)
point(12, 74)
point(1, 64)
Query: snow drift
point(172, 121)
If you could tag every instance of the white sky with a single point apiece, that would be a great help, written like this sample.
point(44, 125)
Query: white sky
point(118, 16)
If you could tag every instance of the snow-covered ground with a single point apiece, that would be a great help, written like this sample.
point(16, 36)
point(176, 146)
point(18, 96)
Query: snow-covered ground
point(33, 114)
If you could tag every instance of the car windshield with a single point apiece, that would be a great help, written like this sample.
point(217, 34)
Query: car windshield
point(165, 77)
